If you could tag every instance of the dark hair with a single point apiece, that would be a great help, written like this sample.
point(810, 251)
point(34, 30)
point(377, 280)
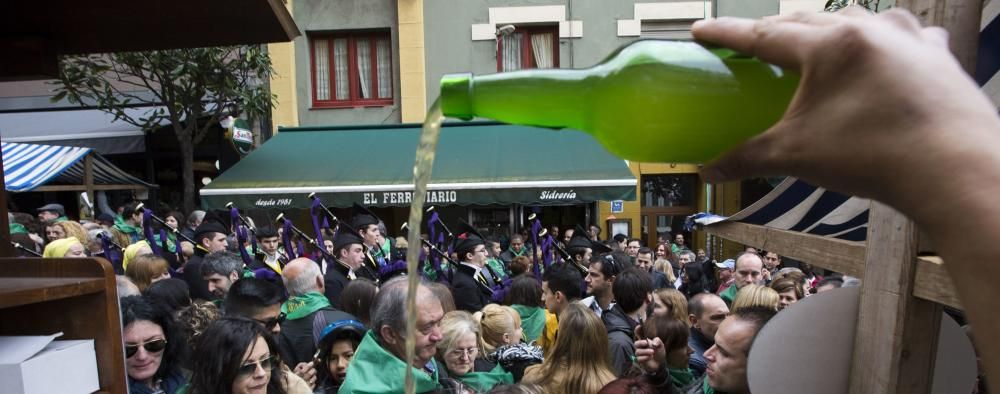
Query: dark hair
point(325, 347)
point(631, 289)
point(672, 332)
point(524, 290)
point(577, 251)
point(249, 295)
point(623, 258)
point(25, 241)
point(609, 265)
point(565, 279)
point(139, 308)
point(757, 316)
point(357, 298)
point(832, 281)
point(129, 209)
point(172, 293)
point(645, 250)
point(782, 285)
point(619, 238)
point(221, 349)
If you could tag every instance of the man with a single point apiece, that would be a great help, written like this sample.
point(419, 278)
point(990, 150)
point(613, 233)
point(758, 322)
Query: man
point(193, 221)
point(209, 237)
point(365, 223)
point(595, 233)
point(678, 245)
point(580, 250)
point(706, 312)
point(260, 300)
point(620, 242)
point(471, 286)
point(348, 248)
point(600, 278)
point(632, 248)
point(772, 262)
point(644, 262)
point(129, 224)
point(52, 213)
point(828, 284)
point(683, 259)
point(567, 236)
point(726, 269)
point(220, 270)
point(747, 271)
point(267, 253)
point(633, 292)
point(304, 283)
point(560, 286)
point(378, 365)
point(727, 359)
point(515, 249)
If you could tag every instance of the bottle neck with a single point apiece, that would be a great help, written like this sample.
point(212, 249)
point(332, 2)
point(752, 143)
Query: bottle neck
point(553, 98)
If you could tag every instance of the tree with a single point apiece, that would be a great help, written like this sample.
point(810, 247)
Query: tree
point(191, 89)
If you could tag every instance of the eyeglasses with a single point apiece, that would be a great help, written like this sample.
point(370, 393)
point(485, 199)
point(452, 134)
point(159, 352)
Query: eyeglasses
point(274, 321)
point(249, 368)
point(154, 346)
point(469, 352)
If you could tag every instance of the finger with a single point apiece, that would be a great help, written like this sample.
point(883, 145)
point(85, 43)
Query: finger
point(751, 158)
point(936, 35)
point(776, 41)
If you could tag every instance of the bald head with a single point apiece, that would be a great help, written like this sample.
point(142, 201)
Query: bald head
point(302, 276)
point(748, 270)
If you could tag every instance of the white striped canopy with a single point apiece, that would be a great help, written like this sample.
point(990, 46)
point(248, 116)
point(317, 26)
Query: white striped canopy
point(28, 166)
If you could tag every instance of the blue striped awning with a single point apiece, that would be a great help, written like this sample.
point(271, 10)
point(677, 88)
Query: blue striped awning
point(798, 206)
point(28, 166)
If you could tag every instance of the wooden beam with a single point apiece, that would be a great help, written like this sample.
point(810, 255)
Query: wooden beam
point(933, 282)
point(837, 255)
point(82, 188)
point(896, 339)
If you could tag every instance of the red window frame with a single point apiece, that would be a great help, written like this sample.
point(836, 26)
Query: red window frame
point(354, 89)
point(527, 57)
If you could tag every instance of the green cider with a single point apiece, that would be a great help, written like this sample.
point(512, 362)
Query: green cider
point(650, 101)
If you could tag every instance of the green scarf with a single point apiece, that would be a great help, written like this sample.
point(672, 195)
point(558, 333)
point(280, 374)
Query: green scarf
point(386, 248)
point(374, 370)
point(705, 388)
point(126, 228)
point(497, 267)
point(524, 249)
point(681, 377)
point(17, 228)
point(532, 321)
point(60, 219)
point(485, 381)
point(729, 294)
point(301, 306)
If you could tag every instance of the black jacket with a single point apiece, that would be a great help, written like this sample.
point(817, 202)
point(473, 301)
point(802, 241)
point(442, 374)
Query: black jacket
point(470, 294)
point(192, 275)
point(296, 339)
point(621, 338)
point(334, 281)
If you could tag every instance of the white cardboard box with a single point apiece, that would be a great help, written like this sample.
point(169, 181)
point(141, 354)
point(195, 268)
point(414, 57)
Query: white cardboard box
point(42, 365)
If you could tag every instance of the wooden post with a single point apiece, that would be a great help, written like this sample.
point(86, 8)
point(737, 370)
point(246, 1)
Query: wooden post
point(896, 339)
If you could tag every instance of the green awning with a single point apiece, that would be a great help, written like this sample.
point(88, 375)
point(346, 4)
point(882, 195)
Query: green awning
point(476, 163)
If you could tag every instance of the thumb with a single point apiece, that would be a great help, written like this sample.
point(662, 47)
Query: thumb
point(758, 156)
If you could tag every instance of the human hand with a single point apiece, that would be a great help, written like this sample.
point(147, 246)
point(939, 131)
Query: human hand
point(649, 353)
point(307, 372)
point(883, 110)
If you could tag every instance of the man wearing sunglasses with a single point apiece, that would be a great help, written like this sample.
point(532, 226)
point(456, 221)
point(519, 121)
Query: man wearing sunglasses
point(260, 300)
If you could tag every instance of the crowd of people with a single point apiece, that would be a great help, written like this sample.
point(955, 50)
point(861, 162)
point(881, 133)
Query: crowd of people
point(594, 315)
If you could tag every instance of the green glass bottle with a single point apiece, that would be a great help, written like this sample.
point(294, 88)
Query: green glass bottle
point(651, 100)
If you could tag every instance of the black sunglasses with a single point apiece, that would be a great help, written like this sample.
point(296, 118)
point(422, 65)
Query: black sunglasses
point(274, 321)
point(154, 346)
point(249, 368)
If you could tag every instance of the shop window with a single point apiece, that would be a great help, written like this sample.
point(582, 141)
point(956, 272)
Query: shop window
point(351, 69)
point(669, 190)
point(528, 47)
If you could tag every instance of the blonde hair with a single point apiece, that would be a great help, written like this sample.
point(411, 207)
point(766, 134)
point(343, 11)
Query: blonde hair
point(580, 360)
point(663, 265)
point(143, 268)
point(676, 304)
point(454, 325)
point(73, 229)
point(495, 321)
point(755, 295)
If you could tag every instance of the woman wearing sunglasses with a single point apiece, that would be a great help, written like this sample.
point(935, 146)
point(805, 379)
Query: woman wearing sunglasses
point(236, 356)
point(153, 347)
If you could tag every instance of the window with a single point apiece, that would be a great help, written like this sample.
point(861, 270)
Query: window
point(528, 47)
point(351, 69)
point(679, 29)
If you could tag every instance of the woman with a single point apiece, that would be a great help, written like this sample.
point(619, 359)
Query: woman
point(670, 303)
point(459, 351)
point(499, 325)
point(153, 349)
point(65, 247)
point(237, 356)
point(580, 360)
point(173, 220)
point(674, 335)
point(664, 266)
point(133, 250)
point(789, 292)
point(336, 347)
point(755, 295)
point(72, 229)
point(357, 297)
point(147, 269)
point(525, 297)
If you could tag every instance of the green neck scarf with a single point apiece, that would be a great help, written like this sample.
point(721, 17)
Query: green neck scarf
point(681, 377)
point(375, 370)
point(532, 321)
point(17, 228)
point(126, 228)
point(518, 253)
point(485, 381)
point(301, 306)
